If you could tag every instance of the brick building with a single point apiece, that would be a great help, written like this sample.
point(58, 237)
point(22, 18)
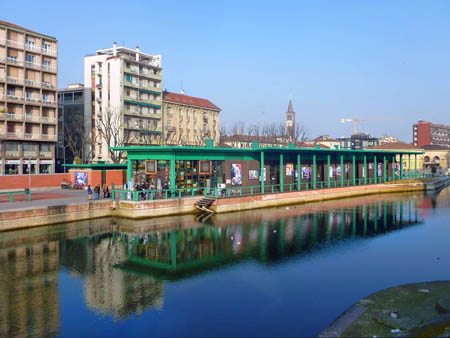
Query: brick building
point(427, 133)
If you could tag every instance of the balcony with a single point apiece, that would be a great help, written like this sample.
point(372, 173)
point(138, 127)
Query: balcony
point(31, 83)
point(15, 44)
point(14, 61)
point(14, 98)
point(48, 137)
point(30, 46)
point(33, 65)
point(151, 75)
point(46, 119)
point(48, 101)
point(14, 117)
point(32, 118)
point(48, 68)
point(14, 80)
point(48, 51)
point(47, 85)
point(153, 63)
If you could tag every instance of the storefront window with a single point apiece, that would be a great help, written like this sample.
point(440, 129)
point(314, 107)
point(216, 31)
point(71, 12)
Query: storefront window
point(26, 169)
point(45, 168)
point(11, 169)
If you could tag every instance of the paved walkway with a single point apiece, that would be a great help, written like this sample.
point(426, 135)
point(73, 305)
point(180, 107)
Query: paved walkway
point(43, 198)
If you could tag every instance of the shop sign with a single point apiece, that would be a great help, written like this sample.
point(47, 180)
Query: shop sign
point(46, 162)
point(12, 161)
point(32, 161)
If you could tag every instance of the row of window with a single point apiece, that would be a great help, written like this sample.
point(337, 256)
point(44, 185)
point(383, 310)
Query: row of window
point(26, 147)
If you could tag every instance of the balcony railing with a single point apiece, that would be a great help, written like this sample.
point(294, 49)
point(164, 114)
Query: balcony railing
point(14, 97)
point(32, 118)
point(48, 137)
point(11, 116)
point(46, 119)
point(48, 68)
point(32, 83)
point(14, 80)
point(48, 101)
point(15, 43)
point(48, 51)
point(30, 47)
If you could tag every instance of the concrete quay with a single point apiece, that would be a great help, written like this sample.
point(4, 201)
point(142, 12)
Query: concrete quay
point(77, 208)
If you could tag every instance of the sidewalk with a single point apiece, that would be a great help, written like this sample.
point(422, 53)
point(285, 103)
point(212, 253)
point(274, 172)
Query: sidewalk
point(44, 197)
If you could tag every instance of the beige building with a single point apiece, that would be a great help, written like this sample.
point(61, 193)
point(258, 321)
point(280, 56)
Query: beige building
point(28, 100)
point(189, 120)
point(436, 155)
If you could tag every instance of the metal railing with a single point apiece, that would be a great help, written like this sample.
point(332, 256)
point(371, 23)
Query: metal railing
point(163, 194)
point(11, 193)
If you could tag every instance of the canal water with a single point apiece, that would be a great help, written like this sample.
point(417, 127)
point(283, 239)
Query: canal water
point(286, 271)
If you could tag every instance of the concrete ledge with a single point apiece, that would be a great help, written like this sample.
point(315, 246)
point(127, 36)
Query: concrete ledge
point(307, 196)
point(28, 218)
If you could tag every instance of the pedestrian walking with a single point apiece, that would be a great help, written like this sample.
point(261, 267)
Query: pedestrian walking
point(89, 190)
point(105, 191)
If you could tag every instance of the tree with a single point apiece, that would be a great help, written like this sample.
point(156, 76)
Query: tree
point(77, 137)
point(110, 132)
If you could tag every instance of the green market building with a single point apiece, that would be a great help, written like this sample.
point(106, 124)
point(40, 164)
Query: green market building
point(186, 169)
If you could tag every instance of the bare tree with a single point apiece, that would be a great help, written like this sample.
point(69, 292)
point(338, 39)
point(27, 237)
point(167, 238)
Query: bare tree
point(111, 133)
point(77, 137)
point(301, 133)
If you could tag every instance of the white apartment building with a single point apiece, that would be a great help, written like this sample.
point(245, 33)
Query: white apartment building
point(126, 86)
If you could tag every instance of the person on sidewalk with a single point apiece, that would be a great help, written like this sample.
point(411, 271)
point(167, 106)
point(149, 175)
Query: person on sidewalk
point(105, 190)
point(97, 192)
point(89, 190)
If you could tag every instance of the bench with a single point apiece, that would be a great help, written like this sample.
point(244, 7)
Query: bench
point(11, 193)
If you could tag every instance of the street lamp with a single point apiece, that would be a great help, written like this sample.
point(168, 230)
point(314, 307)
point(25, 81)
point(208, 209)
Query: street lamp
point(29, 173)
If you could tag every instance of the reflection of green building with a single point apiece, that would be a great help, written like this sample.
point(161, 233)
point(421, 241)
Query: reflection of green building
point(180, 253)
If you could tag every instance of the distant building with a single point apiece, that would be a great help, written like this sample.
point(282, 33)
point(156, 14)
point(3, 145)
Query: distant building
point(326, 140)
point(388, 139)
point(358, 141)
point(427, 133)
point(74, 125)
point(28, 84)
point(189, 120)
point(246, 141)
point(126, 86)
point(290, 123)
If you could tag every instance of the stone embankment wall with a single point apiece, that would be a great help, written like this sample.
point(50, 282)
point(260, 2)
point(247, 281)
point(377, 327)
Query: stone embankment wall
point(26, 218)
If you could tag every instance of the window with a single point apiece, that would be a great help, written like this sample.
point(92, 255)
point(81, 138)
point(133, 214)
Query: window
point(169, 123)
point(46, 46)
point(45, 147)
point(29, 58)
point(128, 78)
point(29, 147)
point(28, 95)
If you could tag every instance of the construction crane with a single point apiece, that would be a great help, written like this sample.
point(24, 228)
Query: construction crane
point(355, 120)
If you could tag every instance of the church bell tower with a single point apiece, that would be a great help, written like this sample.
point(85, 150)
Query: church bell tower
point(290, 123)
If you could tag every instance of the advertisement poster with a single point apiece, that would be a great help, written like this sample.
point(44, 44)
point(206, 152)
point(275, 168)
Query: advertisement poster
point(379, 171)
point(306, 173)
point(253, 174)
point(338, 171)
point(330, 170)
point(236, 174)
point(81, 178)
point(265, 178)
point(289, 169)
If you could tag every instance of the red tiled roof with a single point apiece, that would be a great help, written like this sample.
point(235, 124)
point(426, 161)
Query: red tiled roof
point(395, 146)
point(20, 27)
point(311, 145)
point(189, 100)
point(250, 138)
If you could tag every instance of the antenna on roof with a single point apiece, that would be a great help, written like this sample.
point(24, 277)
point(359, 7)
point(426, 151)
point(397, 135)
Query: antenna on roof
point(182, 89)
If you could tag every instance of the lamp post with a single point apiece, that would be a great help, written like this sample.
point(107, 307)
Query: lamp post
point(29, 173)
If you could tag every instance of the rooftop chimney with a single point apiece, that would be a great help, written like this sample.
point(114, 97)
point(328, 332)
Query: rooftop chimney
point(137, 53)
point(114, 48)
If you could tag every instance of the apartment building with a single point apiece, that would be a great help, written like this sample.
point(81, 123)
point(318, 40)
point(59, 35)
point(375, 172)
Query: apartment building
point(28, 100)
point(74, 125)
point(358, 141)
point(427, 133)
point(189, 120)
point(126, 87)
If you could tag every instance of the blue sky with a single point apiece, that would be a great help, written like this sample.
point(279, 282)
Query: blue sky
point(335, 58)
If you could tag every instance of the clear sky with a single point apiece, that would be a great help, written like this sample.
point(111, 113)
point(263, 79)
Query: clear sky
point(334, 58)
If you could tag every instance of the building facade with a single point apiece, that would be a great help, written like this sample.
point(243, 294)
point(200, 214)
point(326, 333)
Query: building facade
point(189, 120)
point(126, 87)
point(74, 125)
point(28, 100)
point(427, 133)
point(358, 141)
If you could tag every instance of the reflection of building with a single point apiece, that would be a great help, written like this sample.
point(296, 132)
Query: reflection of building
point(182, 252)
point(427, 133)
point(29, 302)
point(28, 83)
point(107, 289)
point(189, 120)
point(74, 124)
point(126, 87)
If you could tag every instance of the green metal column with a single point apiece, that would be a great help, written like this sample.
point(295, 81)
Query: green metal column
point(393, 168)
point(354, 170)
point(365, 170)
point(409, 165)
point(342, 170)
point(281, 173)
point(129, 169)
point(384, 168)
point(172, 174)
point(314, 171)
point(328, 170)
point(375, 173)
point(298, 172)
point(415, 165)
point(401, 166)
point(262, 172)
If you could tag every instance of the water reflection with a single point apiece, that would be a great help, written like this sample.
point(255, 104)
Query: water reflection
point(124, 266)
point(179, 253)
